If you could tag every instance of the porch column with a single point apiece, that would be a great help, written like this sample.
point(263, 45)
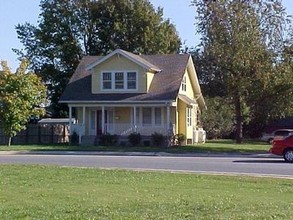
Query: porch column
point(70, 118)
point(168, 119)
point(134, 119)
point(103, 119)
point(83, 117)
point(82, 129)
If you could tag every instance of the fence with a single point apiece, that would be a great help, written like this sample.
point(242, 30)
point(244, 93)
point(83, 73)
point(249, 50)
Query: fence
point(39, 134)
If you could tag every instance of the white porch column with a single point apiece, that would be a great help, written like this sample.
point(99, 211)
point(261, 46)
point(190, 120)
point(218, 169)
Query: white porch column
point(103, 119)
point(83, 117)
point(70, 119)
point(168, 119)
point(134, 119)
point(82, 129)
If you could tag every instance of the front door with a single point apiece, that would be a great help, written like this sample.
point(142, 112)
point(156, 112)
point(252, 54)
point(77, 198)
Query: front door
point(96, 122)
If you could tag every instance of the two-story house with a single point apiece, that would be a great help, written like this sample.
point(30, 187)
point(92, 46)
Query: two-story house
point(122, 93)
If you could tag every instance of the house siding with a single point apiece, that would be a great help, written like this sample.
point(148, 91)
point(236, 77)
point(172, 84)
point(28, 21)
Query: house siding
point(181, 117)
point(118, 63)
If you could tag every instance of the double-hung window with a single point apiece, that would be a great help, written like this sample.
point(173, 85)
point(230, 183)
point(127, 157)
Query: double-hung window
point(147, 116)
point(131, 80)
point(107, 80)
point(183, 84)
point(188, 116)
point(119, 80)
point(158, 116)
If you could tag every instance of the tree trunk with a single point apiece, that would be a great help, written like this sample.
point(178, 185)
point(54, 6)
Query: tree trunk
point(9, 141)
point(239, 121)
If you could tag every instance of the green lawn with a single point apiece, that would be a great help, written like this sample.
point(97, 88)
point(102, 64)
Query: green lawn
point(219, 146)
point(49, 192)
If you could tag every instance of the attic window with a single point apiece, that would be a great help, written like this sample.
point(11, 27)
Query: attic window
point(183, 84)
point(119, 80)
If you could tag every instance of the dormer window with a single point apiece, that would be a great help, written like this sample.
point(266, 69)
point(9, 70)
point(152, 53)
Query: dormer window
point(107, 80)
point(119, 80)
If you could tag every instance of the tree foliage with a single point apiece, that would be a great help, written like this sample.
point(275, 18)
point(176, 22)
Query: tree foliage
point(21, 95)
point(242, 49)
point(218, 119)
point(70, 29)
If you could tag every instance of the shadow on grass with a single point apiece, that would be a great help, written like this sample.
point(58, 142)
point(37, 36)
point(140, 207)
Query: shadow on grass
point(214, 146)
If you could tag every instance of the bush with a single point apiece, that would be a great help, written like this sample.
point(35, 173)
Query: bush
point(134, 139)
point(180, 139)
point(74, 139)
point(108, 139)
point(177, 139)
point(158, 139)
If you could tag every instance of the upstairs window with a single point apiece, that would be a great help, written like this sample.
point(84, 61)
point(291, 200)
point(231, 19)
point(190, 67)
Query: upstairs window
point(119, 80)
point(107, 80)
point(131, 80)
point(183, 84)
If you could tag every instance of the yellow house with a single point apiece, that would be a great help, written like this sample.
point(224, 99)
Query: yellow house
point(122, 93)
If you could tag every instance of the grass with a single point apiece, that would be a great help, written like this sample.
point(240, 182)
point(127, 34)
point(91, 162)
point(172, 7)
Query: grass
point(49, 192)
point(215, 146)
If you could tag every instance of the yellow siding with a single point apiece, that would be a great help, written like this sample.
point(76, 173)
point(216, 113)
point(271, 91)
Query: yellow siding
point(150, 77)
point(122, 115)
point(118, 63)
point(181, 117)
point(189, 91)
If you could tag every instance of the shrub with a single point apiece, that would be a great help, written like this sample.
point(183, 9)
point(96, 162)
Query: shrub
point(74, 139)
point(177, 139)
point(180, 139)
point(108, 139)
point(158, 139)
point(134, 139)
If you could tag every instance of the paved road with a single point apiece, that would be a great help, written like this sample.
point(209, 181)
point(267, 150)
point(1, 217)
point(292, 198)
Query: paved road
point(243, 165)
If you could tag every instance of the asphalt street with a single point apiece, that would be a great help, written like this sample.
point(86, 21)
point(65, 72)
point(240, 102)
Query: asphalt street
point(253, 165)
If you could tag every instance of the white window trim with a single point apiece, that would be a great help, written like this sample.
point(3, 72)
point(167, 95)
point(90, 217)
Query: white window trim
point(113, 80)
point(184, 83)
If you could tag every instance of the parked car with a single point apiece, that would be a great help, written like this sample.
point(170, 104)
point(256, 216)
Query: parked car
point(283, 147)
point(277, 134)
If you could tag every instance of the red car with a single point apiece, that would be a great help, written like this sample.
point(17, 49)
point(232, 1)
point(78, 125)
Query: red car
point(283, 147)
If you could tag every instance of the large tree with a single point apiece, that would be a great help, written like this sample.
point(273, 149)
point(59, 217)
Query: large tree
point(70, 29)
point(21, 95)
point(242, 42)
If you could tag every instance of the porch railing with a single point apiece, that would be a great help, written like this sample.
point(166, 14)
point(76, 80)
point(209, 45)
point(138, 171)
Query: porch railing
point(125, 129)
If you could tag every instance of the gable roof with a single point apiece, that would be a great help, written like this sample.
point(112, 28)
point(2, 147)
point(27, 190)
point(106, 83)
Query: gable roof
point(133, 57)
point(164, 86)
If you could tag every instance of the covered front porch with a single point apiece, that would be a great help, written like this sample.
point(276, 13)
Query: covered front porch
point(122, 120)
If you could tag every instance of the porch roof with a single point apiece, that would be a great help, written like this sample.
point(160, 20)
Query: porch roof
point(186, 99)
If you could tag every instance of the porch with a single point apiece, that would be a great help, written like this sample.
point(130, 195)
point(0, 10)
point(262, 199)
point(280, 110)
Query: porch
point(93, 121)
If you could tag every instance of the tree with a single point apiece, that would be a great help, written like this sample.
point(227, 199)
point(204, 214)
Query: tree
point(242, 40)
point(21, 95)
point(218, 118)
point(70, 29)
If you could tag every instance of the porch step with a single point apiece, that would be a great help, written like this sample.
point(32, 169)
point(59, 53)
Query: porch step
point(88, 140)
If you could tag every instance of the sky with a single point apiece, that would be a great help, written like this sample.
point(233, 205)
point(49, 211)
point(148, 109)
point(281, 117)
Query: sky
point(13, 12)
